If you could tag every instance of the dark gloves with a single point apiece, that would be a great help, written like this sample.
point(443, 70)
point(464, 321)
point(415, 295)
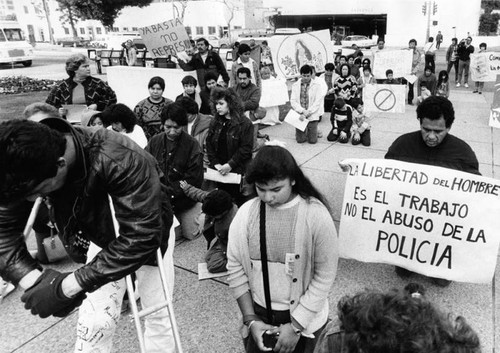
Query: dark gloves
point(45, 297)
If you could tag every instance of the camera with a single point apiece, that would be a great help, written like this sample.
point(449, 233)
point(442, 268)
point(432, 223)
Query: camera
point(270, 339)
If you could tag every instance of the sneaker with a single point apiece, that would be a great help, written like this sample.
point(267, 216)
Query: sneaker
point(415, 290)
point(458, 84)
point(5, 289)
point(466, 85)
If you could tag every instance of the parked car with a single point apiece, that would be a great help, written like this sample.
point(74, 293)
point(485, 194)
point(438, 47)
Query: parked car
point(286, 31)
point(73, 42)
point(215, 41)
point(360, 41)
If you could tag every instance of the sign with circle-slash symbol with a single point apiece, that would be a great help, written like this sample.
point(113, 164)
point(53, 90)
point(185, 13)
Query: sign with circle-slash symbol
point(384, 99)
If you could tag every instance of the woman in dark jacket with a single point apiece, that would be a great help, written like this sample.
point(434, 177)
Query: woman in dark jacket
point(230, 139)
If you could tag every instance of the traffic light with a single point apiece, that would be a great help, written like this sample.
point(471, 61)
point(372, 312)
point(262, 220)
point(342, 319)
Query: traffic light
point(434, 8)
point(424, 8)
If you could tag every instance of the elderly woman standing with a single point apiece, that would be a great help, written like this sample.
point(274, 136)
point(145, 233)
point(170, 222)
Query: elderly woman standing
point(81, 88)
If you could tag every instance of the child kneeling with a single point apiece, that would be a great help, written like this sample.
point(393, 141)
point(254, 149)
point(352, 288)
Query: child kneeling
point(360, 124)
point(341, 120)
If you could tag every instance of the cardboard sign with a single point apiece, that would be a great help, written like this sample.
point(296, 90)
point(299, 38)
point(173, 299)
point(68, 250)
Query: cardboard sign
point(485, 67)
point(274, 93)
point(291, 52)
point(430, 220)
point(399, 61)
point(166, 38)
point(495, 106)
point(384, 98)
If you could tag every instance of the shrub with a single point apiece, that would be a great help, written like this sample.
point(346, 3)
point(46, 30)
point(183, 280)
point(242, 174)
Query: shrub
point(23, 84)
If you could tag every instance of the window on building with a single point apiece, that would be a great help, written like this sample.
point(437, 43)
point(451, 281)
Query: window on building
point(135, 29)
point(82, 30)
point(115, 29)
point(66, 30)
point(26, 9)
point(98, 30)
point(188, 30)
point(238, 27)
point(199, 30)
point(125, 29)
point(211, 29)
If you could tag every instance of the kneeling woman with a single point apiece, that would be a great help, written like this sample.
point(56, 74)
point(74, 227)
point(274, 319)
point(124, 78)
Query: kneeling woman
point(282, 255)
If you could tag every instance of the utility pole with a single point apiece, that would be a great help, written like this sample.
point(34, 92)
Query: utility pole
point(429, 8)
point(47, 16)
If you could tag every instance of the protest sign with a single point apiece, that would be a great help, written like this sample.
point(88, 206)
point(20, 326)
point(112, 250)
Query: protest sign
point(166, 38)
point(399, 61)
point(384, 98)
point(485, 67)
point(427, 219)
point(274, 93)
point(291, 52)
point(495, 106)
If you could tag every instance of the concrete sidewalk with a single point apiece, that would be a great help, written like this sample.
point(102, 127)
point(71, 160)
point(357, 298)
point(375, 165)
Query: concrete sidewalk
point(208, 316)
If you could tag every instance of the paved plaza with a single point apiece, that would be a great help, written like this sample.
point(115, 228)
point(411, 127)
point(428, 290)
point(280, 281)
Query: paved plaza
point(208, 316)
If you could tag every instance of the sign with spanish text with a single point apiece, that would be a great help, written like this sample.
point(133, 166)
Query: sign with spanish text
point(384, 98)
point(290, 53)
point(495, 106)
point(166, 38)
point(399, 61)
point(485, 67)
point(430, 220)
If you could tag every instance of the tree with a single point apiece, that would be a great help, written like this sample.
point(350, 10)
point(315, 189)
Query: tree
point(105, 10)
point(69, 14)
point(490, 5)
point(488, 24)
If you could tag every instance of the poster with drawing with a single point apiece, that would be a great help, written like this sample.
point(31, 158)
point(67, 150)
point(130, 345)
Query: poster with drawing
point(291, 52)
point(485, 67)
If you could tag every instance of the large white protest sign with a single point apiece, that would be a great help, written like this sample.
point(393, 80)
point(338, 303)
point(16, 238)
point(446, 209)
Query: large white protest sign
point(291, 52)
point(399, 61)
point(431, 220)
point(495, 106)
point(166, 38)
point(485, 67)
point(384, 98)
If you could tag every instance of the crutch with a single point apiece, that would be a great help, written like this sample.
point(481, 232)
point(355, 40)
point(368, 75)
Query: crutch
point(26, 233)
point(153, 309)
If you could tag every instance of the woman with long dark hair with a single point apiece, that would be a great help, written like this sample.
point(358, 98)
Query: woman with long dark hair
point(282, 295)
point(122, 119)
point(230, 139)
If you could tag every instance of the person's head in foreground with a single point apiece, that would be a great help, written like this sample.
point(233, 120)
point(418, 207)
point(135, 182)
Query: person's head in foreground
point(397, 322)
point(217, 204)
point(173, 118)
point(436, 115)
point(278, 178)
point(189, 84)
point(156, 86)
point(120, 117)
point(32, 160)
point(39, 110)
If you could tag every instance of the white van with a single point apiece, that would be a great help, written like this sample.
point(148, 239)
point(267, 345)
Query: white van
point(13, 47)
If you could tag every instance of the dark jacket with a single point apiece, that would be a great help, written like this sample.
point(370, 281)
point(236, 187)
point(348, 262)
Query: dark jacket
point(250, 95)
point(239, 142)
point(96, 92)
point(184, 162)
point(464, 52)
point(200, 131)
point(107, 163)
point(206, 105)
point(452, 152)
point(213, 63)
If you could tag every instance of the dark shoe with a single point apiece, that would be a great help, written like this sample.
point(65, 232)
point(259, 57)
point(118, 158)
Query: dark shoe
point(480, 92)
point(475, 91)
point(403, 272)
point(415, 290)
point(440, 282)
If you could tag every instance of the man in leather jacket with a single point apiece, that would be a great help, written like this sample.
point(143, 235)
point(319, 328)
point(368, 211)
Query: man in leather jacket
point(76, 169)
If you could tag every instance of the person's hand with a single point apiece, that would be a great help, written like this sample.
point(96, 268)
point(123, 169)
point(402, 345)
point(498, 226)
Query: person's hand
point(356, 137)
point(335, 131)
point(287, 339)
point(46, 297)
point(63, 112)
point(344, 166)
point(257, 330)
point(92, 107)
point(183, 184)
point(218, 166)
point(343, 135)
point(302, 117)
point(226, 168)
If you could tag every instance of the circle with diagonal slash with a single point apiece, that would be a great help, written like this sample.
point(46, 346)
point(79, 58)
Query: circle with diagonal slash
point(384, 99)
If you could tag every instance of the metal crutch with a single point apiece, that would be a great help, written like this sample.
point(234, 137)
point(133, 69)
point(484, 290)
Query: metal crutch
point(26, 233)
point(153, 309)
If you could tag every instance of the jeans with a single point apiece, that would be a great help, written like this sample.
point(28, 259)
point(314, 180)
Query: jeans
point(430, 62)
point(310, 134)
point(100, 311)
point(453, 64)
point(463, 68)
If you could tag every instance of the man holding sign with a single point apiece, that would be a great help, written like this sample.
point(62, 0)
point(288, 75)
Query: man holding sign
point(432, 145)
